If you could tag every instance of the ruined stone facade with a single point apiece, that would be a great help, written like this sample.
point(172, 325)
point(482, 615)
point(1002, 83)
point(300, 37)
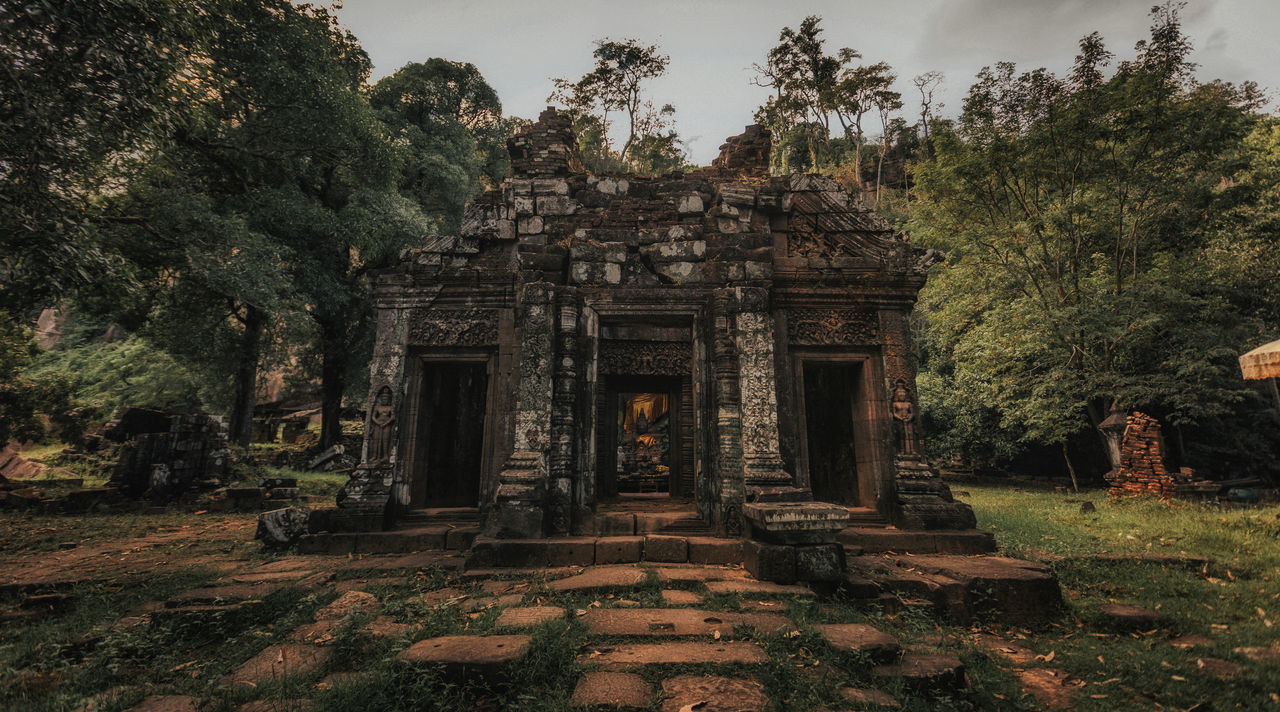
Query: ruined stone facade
point(743, 338)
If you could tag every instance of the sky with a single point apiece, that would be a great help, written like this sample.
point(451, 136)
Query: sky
point(520, 46)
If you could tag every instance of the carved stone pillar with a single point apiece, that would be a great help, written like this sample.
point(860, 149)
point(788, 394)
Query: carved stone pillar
point(727, 489)
point(923, 500)
point(560, 493)
point(519, 502)
point(363, 500)
point(763, 472)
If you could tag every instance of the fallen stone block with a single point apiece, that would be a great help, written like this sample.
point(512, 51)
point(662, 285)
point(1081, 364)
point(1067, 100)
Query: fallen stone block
point(281, 528)
point(925, 672)
point(279, 662)
point(679, 622)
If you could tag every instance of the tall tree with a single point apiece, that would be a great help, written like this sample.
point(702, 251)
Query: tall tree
point(450, 121)
point(1075, 213)
point(616, 84)
point(811, 86)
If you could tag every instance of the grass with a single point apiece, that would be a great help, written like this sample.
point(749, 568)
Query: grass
point(1106, 556)
point(1111, 556)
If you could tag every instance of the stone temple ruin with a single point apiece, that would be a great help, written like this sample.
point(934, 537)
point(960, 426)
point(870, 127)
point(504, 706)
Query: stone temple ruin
point(728, 348)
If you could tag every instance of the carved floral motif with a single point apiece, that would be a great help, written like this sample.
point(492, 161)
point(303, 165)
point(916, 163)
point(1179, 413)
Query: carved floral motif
point(646, 358)
point(832, 327)
point(453, 327)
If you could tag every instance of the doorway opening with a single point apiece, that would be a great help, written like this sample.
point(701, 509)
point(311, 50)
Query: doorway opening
point(642, 424)
point(447, 452)
point(835, 427)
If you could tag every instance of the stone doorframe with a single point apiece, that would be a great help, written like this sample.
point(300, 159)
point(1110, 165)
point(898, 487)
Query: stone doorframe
point(871, 443)
point(402, 490)
point(596, 311)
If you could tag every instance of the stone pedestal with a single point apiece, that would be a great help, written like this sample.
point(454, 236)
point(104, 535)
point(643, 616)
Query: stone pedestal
point(924, 501)
point(363, 500)
point(795, 541)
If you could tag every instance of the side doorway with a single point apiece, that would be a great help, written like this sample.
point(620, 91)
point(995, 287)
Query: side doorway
point(839, 453)
point(448, 426)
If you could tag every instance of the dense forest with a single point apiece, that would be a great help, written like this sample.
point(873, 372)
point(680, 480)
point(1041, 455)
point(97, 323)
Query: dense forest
point(203, 191)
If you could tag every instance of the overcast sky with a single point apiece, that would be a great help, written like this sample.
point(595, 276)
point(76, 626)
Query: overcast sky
point(519, 46)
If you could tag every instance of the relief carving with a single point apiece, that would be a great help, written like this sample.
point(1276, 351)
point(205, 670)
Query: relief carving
point(832, 327)
point(646, 358)
point(382, 416)
point(453, 327)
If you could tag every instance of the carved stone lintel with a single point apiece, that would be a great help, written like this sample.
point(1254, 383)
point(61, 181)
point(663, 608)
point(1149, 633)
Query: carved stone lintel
point(646, 358)
point(453, 327)
point(832, 327)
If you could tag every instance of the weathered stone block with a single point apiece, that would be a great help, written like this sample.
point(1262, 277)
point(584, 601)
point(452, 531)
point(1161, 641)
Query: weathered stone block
point(595, 273)
point(683, 251)
point(770, 562)
point(599, 252)
point(281, 528)
point(689, 204)
point(494, 553)
point(619, 549)
point(555, 205)
point(666, 548)
point(531, 225)
point(821, 562)
point(712, 550)
point(680, 272)
point(576, 551)
point(550, 186)
point(615, 524)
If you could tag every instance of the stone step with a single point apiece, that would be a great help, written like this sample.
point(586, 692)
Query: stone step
point(638, 655)
point(213, 595)
point(685, 622)
point(612, 690)
point(861, 639)
point(489, 553)
point(871, 540)
point(961, 588)
point(489, 657)
point(867, 517)
point(432, 537)
point(709, 693)
point(932, 673)
point(441, 514)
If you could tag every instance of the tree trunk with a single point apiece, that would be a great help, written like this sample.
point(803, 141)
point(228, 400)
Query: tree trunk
point(1097, 413)
point(1075, 484)
point(333, 381)
point(255, 321)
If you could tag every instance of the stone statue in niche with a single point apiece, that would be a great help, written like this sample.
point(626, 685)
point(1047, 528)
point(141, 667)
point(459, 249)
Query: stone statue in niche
point(381, 417)
point(904, 411)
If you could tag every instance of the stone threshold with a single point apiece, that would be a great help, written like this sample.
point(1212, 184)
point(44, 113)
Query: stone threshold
point(589, 551)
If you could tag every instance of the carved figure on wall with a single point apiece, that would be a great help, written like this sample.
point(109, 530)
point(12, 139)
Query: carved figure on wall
point(904, 411)
point(381, 417)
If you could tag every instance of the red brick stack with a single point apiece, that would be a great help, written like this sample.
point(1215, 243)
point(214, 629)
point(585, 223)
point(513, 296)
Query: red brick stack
point(1142, 469)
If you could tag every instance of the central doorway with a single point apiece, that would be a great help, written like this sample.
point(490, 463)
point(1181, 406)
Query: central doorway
point(640, 419)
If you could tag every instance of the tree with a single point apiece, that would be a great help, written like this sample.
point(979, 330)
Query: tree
point(810, 87)
point(86, 87)
point(616, 85)
point(1076, 217)
point(451, 122)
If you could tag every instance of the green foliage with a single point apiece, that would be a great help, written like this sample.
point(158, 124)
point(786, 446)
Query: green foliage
point(87, 88)
point(1084, 268)
point(103, 375)
point(615, 85)
point(449, 122)
point(810, 87)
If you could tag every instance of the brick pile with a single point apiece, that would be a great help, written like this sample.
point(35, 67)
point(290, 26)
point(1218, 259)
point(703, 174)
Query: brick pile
point(1142, 470)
